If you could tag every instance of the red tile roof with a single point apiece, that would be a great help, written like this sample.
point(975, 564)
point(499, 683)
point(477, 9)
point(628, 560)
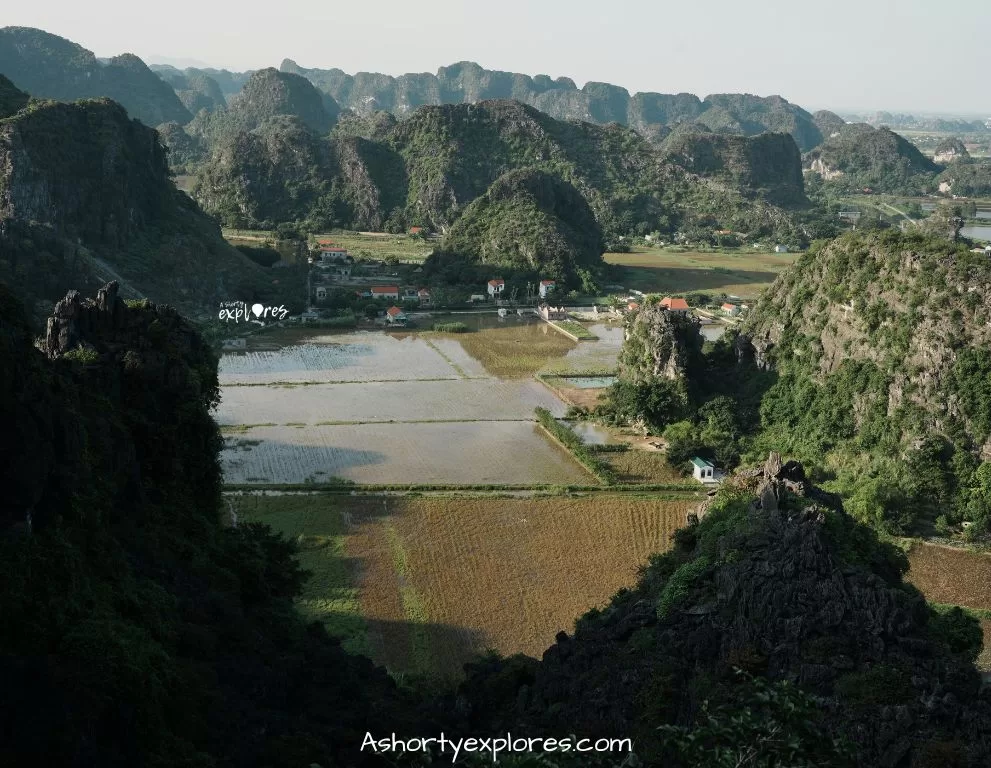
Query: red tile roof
point(497, 281)
point(393, 311)
point(674, 303)
point(547, 282)
point(728, 307)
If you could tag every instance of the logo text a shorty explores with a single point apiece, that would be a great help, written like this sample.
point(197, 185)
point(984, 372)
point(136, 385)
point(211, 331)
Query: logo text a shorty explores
point(241, 312)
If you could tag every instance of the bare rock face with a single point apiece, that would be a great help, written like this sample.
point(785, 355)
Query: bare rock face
point(660, 344)
point(73, 319)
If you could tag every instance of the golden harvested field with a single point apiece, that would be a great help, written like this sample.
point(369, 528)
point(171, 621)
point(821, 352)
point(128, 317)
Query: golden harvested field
point(423, 583)
point(955, 577)
point(635, 466)
point(516, 350)
point(738, 273)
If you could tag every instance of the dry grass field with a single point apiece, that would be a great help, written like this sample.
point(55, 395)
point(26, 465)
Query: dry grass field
point(955, 577)
point(423, 583)
point(738, 273)
point(635, 466)
point(516, 350)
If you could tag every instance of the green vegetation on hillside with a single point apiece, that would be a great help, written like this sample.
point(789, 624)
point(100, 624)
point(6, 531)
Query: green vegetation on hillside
point(88, 197)
point(427, 169)
point(858, 156)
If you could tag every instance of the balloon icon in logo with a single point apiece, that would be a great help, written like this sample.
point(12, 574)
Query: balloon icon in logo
point(257, 309)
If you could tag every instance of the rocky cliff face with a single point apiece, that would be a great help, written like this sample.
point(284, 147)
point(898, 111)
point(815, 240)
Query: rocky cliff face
point(777, 581)
point(602, 103)
point(660, 344)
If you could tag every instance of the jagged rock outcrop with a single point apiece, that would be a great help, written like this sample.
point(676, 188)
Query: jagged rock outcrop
point(777, 580)
point(660, 344)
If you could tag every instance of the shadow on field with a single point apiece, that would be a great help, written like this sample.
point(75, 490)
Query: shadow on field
point(413, 648)
point(250, 458)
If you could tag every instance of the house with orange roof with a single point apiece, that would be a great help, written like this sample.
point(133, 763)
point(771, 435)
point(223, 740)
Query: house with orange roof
point(395, 316)
point(546, 287)
point(496, 287)
point(674, 304)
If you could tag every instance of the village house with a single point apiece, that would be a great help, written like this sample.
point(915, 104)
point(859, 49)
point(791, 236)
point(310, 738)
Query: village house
point(674, 304)
point(496, 287)
point(395, 316)
point(546, 287)
point(730, 309)
point(385, 292)
point(632, 306)
point(417, 231)
point(321, 293)
point(781, 249)
point(409, 294)
point(334, 254)
point(423, 296)
point(703, 470)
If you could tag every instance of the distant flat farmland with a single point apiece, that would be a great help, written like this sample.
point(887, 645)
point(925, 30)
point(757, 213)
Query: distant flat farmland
point(738, 273)
point(424, 583)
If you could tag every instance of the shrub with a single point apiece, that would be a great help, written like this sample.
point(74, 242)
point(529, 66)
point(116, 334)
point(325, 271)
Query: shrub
point(450, 327)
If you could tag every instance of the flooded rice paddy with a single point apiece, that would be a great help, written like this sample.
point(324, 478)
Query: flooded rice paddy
point(408, 407)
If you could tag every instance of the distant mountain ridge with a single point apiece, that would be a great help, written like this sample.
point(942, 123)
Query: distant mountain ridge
point(50, 67)
point(648, 113)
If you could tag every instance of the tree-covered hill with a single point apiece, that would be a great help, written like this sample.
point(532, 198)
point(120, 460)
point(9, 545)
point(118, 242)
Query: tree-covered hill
point(858, 156)
point(427, 168)
point(602, 103)
point(268, 93)
point(196, 90)
point(51, 67)
point(878, 344)
point(968, 178)
point(530, 222)
point(86, 193)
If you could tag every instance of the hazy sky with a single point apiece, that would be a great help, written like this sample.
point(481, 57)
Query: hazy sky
point(911, 55)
